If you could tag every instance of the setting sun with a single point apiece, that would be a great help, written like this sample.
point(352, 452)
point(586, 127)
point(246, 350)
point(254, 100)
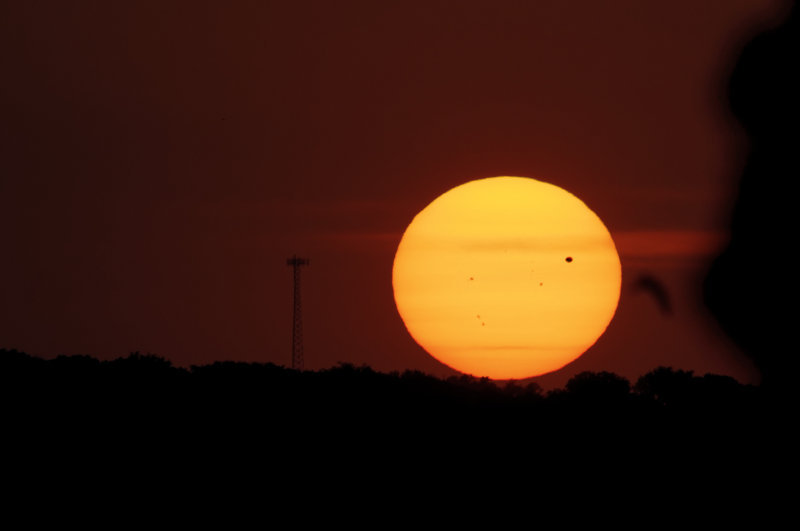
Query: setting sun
point(506, 277)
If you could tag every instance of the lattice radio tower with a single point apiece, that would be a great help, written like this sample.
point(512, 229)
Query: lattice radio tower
point(297, 321)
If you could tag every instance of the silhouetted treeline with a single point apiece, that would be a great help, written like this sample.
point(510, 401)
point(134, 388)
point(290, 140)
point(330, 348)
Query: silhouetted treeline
point(140, 384)
point(140, 420)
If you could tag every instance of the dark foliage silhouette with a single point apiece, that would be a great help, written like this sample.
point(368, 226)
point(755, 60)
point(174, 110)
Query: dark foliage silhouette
point(603, 385)
point(234, 423)
point(667, 386)
point(149, 390)
point(750, 286)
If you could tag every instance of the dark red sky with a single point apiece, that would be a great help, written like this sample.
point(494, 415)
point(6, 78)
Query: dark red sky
point(159, 161)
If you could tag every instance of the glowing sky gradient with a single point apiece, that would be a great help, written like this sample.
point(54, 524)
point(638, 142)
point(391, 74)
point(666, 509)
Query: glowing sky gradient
point(160, 161)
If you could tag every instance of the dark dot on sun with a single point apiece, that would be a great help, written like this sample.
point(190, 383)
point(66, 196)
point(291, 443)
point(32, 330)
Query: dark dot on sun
point(569, 259)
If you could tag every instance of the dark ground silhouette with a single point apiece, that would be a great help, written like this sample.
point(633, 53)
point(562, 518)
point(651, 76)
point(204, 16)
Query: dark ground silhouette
point(141, 381)
point(117, 427)
point(148, 393)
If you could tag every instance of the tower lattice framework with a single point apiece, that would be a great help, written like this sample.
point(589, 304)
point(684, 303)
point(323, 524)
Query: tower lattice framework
point(297, 320)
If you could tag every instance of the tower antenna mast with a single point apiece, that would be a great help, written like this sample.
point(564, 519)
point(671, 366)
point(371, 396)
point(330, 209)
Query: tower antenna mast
point(297, 320)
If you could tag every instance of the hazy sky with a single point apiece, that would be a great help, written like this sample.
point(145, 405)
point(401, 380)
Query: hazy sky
point(159, 161)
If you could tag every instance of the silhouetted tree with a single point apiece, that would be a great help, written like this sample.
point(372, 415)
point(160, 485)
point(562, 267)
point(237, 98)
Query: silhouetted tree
point(146, 395)
point(667, 386)
point(598, 386)
point(142, 364)
point(529, 390)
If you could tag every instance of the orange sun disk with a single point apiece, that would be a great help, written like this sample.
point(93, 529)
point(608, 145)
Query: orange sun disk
point(506, 277)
